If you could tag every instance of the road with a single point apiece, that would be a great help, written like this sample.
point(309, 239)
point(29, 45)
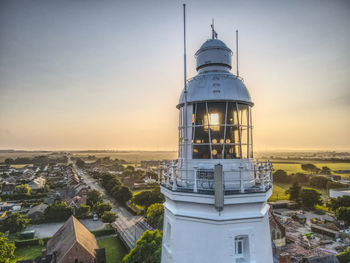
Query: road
point(130, 227)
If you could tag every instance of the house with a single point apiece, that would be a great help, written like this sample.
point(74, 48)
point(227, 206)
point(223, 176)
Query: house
point(37, 183)
point(278, 231)
point(78, 189)
point(74, 243)
point(324, 259)
point(28, 174)
point(7, 189)
point(37, 211)
point(73, 179)
point(76, 201)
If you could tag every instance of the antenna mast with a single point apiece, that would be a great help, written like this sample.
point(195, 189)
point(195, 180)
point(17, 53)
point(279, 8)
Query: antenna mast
point(237, 53)
point(185, 91)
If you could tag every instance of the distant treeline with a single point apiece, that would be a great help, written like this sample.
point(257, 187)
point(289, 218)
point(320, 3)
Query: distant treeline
point(297, 160)
point(36, 160)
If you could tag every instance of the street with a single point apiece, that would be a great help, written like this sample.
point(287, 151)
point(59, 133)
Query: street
point(130, 230)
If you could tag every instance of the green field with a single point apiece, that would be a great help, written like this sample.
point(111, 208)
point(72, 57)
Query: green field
point(296, 167)
point(279, 193)
point(29, 252)
point(115, 251)
point(132, 156)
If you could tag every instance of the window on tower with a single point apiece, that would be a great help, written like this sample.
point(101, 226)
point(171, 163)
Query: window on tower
point(221, 130)
point(241, 249)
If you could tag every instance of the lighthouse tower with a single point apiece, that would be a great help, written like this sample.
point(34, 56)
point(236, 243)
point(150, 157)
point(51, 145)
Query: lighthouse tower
point(216, 194)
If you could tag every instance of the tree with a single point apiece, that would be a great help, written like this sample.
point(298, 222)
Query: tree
point(309, 167)
point(58, 212)
point(310, 197)
point(343, 213)
point(108, 217)
point(319, 181)
point(155, 215)
point(9, 161)
point(22, 189)
point(335, 203)
point(148, 249)
point(15, 222)
point(280, 176)
point(294, 192)
point(82, 211)
point(93, 197)
point(147, 198)
point(326, 170)
point(333, 185)
point(301, 178)
point(100, 208)
point(7, 250)
point(123, 194)
point(80, 163)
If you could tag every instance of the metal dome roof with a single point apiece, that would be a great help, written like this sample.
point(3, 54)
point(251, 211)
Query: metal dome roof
point(210, 43)
point(216, 86)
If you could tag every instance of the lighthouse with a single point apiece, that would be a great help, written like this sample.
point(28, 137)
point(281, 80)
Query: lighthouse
point(216, 194)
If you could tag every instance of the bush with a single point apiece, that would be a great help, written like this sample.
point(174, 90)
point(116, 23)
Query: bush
point(100, 208)
point(108, 217)
point(344, 257)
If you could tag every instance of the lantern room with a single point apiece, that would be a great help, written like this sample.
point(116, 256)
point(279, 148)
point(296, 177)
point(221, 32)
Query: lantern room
point(218, 108)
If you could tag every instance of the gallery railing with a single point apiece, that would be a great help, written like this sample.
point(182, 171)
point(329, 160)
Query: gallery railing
point(202, 180)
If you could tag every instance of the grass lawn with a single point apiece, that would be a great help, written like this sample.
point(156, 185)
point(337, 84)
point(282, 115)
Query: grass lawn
point(115, 251)
point(29, 252)
point(135, 192)
point(321, 207)
point(279, 193)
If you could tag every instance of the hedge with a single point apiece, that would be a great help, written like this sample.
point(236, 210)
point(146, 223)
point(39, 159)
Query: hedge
point(32, 242)
point(103, 232)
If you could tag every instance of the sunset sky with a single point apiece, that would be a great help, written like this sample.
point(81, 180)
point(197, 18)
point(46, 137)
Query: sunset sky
point(108, 74)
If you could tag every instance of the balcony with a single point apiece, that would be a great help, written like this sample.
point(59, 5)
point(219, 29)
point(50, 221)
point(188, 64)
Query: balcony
point(202, 181)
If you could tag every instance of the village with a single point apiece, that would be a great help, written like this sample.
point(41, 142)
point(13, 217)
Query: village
point(62, 183)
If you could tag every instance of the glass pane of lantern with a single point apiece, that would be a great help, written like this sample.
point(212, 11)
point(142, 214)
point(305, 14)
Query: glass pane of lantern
point(244, 141)
point(201, 112)
point(244, 135)
point(201, 151)
point(243, 114)
point(232, 135)
point(217, 135)
point(201, 135)
point(217, 151)
point(232, 113)
point(231, 151)
point(244, 151)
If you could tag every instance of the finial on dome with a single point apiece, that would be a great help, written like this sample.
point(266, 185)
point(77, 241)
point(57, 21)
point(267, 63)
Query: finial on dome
point(214, 34)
